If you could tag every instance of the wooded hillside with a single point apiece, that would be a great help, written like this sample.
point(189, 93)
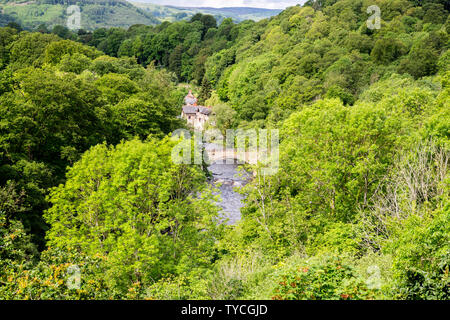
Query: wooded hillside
point(359, 208)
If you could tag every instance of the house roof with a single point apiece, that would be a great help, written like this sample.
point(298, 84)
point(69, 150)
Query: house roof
point(204, 110)
point(194, 110)
point(191, 107)
point(190, 99)
point(190, 110)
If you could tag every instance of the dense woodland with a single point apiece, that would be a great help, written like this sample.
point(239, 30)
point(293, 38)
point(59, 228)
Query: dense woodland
point(96, 13)
point(32, 14)
point(358, 210)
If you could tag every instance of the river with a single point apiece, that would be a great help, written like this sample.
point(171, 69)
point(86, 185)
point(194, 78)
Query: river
point(227, 177)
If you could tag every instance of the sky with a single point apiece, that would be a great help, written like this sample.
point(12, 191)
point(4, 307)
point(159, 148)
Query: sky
point(270, 4)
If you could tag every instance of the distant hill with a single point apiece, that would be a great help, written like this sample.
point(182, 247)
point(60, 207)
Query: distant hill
point(113, 13)
point(94, 13)
point(172, 13)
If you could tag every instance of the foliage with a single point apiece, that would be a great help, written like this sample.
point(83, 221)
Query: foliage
point(169, 13)
point(95, 14)
point(358, 208)
point(132, 205)
point(324, 280)
point(421, 251)
point(54, 107)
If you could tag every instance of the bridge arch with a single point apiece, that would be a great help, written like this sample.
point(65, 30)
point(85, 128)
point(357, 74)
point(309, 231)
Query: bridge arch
point(215, 153)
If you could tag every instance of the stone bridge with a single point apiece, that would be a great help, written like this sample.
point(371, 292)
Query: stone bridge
point(221, 155)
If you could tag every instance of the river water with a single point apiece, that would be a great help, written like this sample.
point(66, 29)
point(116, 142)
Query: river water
point(227, 178)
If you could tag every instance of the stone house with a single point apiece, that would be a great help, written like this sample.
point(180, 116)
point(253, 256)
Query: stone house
point(196, 116)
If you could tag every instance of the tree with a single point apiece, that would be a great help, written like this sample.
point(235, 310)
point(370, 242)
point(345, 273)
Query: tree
point(55, 51)
point(75, 63)
point(42, 28)
point(131, 204)
point(175, 63)
point(224, 117)
point(112, 42)
point(29, 48)
point(387, 50)
point(7, 36)
point(207, 21)
point(422, 61)
point(116, 87)
point(205, 91)
point(14, 25)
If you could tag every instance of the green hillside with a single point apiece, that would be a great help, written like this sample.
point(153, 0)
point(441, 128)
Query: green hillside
point(238, 14)
point(94, 13)
point(358, 203)
point(113, 13)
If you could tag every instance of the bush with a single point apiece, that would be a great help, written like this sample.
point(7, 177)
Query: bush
point(330, 279)
point(422, 256)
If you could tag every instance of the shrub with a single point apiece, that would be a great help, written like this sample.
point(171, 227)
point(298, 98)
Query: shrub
point(331, 279)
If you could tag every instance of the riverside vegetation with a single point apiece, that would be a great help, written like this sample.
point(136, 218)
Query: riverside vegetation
point(358, 210)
